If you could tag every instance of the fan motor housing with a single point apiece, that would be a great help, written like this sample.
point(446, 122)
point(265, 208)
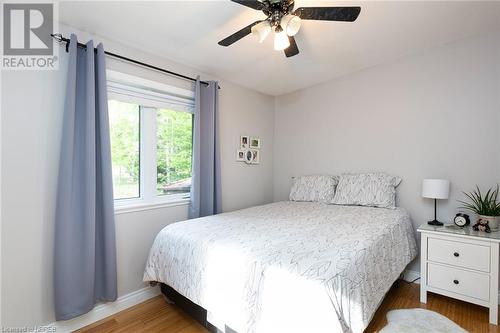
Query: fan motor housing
point(275, 10)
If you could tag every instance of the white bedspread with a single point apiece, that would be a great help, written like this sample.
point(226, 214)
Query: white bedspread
point(286, 266)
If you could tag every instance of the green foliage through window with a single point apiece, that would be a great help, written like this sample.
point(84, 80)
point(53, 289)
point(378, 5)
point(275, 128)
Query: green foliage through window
point(174, 151)
point(173, 141)
point(124, 123)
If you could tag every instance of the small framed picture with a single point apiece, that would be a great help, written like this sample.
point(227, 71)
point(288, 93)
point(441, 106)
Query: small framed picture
point(240, 155)
point(255, 156)
point(244, 141)
point(254, 143)
point(248, 156)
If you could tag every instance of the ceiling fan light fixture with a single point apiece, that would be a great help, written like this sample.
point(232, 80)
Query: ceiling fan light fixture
point(281, 41)
point(261, 31)
point(291, 24)
point(286, 20)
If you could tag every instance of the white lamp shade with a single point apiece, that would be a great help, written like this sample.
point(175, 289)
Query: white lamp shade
point(436, 188)
point(281, 41)
point(291, 24)
point(261, 30)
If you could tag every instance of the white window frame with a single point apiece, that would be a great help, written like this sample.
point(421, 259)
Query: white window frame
point(150, 95)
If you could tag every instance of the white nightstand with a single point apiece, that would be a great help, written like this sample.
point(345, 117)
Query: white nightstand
point(460, 263)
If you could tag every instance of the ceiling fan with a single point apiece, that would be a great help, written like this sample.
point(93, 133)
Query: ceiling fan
point(286, 22)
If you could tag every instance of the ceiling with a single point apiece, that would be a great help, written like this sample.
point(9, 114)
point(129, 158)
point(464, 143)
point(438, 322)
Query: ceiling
point(188, 31)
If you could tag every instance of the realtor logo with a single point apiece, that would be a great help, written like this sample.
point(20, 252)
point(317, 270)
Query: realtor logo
point(27, 41)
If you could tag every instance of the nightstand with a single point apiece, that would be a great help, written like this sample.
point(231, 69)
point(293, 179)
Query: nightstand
point(460, 263)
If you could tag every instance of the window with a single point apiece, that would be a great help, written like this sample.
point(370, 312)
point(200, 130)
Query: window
point(151, 129)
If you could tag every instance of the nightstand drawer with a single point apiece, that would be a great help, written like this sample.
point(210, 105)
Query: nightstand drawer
point(459, 281)
point(460, 254)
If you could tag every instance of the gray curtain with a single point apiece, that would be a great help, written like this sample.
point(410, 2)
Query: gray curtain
point(205, 184)
point(85, 251)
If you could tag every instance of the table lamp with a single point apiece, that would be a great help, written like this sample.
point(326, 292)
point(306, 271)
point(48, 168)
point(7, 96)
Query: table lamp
point(435, 189)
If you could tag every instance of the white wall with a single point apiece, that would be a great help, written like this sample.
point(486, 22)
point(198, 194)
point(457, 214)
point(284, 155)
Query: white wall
point(435, 114)
point(32, 108)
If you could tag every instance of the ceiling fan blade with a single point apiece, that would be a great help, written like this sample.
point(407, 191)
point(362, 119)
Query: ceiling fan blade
point(254, 4)
point(348, 14)
point(292, 49)
point(238, 35)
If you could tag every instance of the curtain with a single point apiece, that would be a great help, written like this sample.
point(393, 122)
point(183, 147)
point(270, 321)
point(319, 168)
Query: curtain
point(205, 184)
point(85, 251)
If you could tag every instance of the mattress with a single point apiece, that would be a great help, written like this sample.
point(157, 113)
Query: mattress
point(286, 266)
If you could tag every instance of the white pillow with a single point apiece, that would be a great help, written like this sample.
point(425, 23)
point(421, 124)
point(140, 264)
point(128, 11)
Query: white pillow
point(367, 189)
point(313, 188)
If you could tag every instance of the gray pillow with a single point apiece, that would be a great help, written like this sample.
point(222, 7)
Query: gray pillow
point(318, 188)
point(367, 189)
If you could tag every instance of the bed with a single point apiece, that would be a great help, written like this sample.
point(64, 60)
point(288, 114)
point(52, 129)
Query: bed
point(286, 266)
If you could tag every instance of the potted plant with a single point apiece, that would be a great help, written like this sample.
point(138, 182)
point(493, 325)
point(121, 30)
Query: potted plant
point(485, 206)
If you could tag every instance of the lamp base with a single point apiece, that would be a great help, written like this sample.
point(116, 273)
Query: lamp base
point(435, 222)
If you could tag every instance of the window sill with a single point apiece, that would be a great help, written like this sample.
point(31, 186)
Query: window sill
point(139, 207)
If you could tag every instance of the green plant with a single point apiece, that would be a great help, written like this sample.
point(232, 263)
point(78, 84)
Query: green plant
point(482, 205)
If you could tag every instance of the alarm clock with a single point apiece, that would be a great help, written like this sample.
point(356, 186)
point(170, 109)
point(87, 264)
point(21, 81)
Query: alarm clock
point(461, 220)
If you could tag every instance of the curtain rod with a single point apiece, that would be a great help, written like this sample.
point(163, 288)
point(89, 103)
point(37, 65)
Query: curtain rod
point(59, 38)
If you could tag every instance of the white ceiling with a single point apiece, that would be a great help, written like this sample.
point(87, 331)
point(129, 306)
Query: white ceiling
point(188, 31)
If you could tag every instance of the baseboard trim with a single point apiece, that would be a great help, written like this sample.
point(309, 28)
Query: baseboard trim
point(104, 310)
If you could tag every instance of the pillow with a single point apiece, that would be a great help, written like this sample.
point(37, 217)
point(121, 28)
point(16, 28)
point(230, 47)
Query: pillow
point(367, 189)
point(313, 188)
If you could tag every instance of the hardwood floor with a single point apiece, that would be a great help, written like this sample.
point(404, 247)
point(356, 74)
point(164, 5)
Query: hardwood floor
point(473, 318)
point(156, 315)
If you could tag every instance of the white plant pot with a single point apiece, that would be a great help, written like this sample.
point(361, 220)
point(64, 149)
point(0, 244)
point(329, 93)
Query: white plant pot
point(492, 221)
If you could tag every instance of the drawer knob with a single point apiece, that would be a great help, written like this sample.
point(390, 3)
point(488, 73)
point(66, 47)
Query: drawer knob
point(456, 254)
point(455, 281)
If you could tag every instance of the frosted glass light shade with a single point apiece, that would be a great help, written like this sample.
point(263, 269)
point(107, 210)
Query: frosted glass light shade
point(436, 188)
point(291, 24)
point(281, 41)
point(261, 31)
